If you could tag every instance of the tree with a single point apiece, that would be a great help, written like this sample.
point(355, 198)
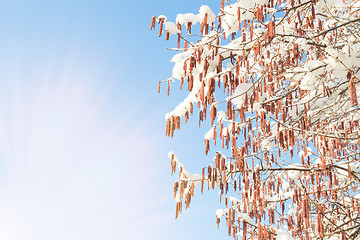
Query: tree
point(279, 83)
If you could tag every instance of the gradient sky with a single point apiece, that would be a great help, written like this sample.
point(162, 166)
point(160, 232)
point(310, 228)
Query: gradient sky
point(83, 152)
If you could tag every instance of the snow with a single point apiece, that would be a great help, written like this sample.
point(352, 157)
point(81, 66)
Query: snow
point(283, 235)
point(221, 212)
point(187, 18)
point(221, 115)
point(240, 233)
point(294, 174)
point(334, 237)
point(204, 9)
point(180, 110)
point(180, 56)
point(267, 145)
point(234, 199)
point(178, 71)
point(246, 217)
point(229, 20)
point(334, 4)
point(342, 172)
point(171, 28)
point(162, 17)
point(238, 97)
point(186, 174)
point(210, 134)
point(309, 151)
point(246, 4)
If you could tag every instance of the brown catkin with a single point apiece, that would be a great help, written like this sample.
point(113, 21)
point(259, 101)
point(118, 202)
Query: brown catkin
point(161, 26)
point(178, 42)
point(168, 88)
point(176, 187)
point(238, 16)
point(153, 20)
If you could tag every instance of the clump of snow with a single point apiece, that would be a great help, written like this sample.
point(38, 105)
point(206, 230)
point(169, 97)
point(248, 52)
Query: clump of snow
point(171, 28)
point(221, 116)
point(185, 174)
point(240, 233)
point(307, 83)
point(283, 235)
point(193, 19)
point(178, 71)
point(180, 110)
point(342, 169)
point(177, 197)
point(294, 174)
point(184, 106)
point(267, 145)
point(187, 18)
point(210, 134)
point(238, 98)
point(246, 217)
point(285, 184)
point(204, 9)
point(309, 151)
point(334, 237)
point(162, 17)
point(234, 199)
point(246, 4)
point(180, 56)
point(229, 20)
point(221, 212)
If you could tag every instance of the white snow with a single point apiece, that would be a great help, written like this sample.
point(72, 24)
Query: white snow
point(187, 18)
point(283, 235)
point(204, 9)
point(294, 174)
point(221, 212)
point(238, 97)
point(171, 28)
point(210, 134)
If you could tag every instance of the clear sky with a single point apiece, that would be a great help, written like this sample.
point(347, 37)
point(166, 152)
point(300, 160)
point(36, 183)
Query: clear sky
point(83, 153)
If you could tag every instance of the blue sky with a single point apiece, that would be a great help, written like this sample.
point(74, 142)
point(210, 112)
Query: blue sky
point(83, 153)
